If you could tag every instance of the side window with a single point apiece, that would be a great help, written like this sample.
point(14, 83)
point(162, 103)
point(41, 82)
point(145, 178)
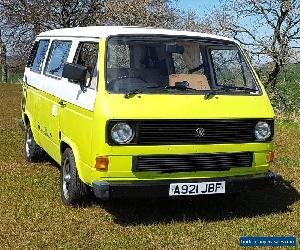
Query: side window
point(230, 69)
point(119, 56)
point(38, 59)
point(190, 61)
point(179, 64)
point(32, 54)
point(57, 57)
point(87, 55)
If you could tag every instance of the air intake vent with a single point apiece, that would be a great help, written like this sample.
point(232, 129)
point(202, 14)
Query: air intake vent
point(192, 162)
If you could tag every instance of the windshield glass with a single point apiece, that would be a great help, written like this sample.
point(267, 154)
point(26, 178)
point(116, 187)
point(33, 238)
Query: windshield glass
point(171, 66)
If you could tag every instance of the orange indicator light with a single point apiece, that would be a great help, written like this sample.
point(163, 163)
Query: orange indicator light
point(101, 163)
point(271, 156)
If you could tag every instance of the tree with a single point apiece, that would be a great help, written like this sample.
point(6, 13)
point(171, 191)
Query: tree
point(24, 19)
point(145, 13)
point(266, 27)
point(3, 68)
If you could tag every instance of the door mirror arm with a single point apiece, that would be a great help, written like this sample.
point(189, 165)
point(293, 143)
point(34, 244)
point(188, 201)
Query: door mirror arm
point(82, 86)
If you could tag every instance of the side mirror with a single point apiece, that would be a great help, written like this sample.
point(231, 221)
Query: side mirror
point(76, 73)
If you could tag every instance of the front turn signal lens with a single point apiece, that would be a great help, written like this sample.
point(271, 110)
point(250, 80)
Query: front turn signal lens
point(101, 163)
point(271, 156)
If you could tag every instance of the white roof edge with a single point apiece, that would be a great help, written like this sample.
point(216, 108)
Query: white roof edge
point(106, 31)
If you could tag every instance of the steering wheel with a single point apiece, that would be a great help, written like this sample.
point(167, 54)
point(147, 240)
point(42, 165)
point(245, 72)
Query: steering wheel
point(125, 77)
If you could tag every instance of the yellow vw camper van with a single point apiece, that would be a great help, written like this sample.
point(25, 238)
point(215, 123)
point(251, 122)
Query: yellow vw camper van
point(143, 112)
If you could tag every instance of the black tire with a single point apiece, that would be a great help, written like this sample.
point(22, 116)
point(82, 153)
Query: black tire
point(73, 191)
point(32, 151)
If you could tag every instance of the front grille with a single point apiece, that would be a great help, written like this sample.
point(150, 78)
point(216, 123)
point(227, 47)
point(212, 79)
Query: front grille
point(192, 162)
point(185, 132)
point(189, 132)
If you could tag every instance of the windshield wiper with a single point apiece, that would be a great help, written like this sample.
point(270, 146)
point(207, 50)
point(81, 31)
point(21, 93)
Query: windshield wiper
point(179, 86)
point(140, 90)
point(212, 93)
point(183, 86)
point(238, 88)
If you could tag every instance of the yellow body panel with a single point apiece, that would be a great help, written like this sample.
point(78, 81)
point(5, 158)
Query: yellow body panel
point(84, 131)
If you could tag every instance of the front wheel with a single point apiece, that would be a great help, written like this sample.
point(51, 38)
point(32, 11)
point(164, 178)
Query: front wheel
point(32, 150)
point(73, 190)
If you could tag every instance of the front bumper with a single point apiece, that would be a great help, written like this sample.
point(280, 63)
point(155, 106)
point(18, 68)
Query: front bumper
point(150, 189)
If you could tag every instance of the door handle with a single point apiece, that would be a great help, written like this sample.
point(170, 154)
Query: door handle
point(62, 103)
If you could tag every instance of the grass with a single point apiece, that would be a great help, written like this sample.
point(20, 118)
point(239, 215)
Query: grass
point(13, 77)
point(286, 97)
point(33, 216)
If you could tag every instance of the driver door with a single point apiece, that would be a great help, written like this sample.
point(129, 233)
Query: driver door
point(76, 111)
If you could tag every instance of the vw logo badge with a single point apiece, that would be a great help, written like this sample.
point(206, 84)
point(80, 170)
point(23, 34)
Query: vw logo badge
point(200, 132)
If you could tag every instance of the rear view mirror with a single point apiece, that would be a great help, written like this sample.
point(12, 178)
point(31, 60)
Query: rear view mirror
point(174, 48)
point(76, 73)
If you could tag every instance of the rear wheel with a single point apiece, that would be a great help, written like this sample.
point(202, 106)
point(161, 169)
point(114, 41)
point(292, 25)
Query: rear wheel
point(73, 190)
point(32, 150)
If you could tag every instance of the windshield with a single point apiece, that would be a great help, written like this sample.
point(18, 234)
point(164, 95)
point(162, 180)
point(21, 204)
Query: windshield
point(175, 65)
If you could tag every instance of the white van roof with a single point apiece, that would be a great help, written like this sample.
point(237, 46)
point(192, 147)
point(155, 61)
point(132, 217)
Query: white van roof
point(106, 31)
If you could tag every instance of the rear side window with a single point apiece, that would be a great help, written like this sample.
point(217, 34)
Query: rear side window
point(57, 57)
point(40, 53)
point(32, 54)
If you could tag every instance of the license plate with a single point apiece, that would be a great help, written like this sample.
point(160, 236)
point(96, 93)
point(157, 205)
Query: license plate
point(197, 188)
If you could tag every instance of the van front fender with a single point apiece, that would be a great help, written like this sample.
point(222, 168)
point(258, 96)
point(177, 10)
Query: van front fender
point(68, 143)
point(85, 172)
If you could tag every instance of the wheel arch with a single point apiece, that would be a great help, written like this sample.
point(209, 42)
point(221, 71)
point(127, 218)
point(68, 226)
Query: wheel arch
point(68, 143)
point(26, 120)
